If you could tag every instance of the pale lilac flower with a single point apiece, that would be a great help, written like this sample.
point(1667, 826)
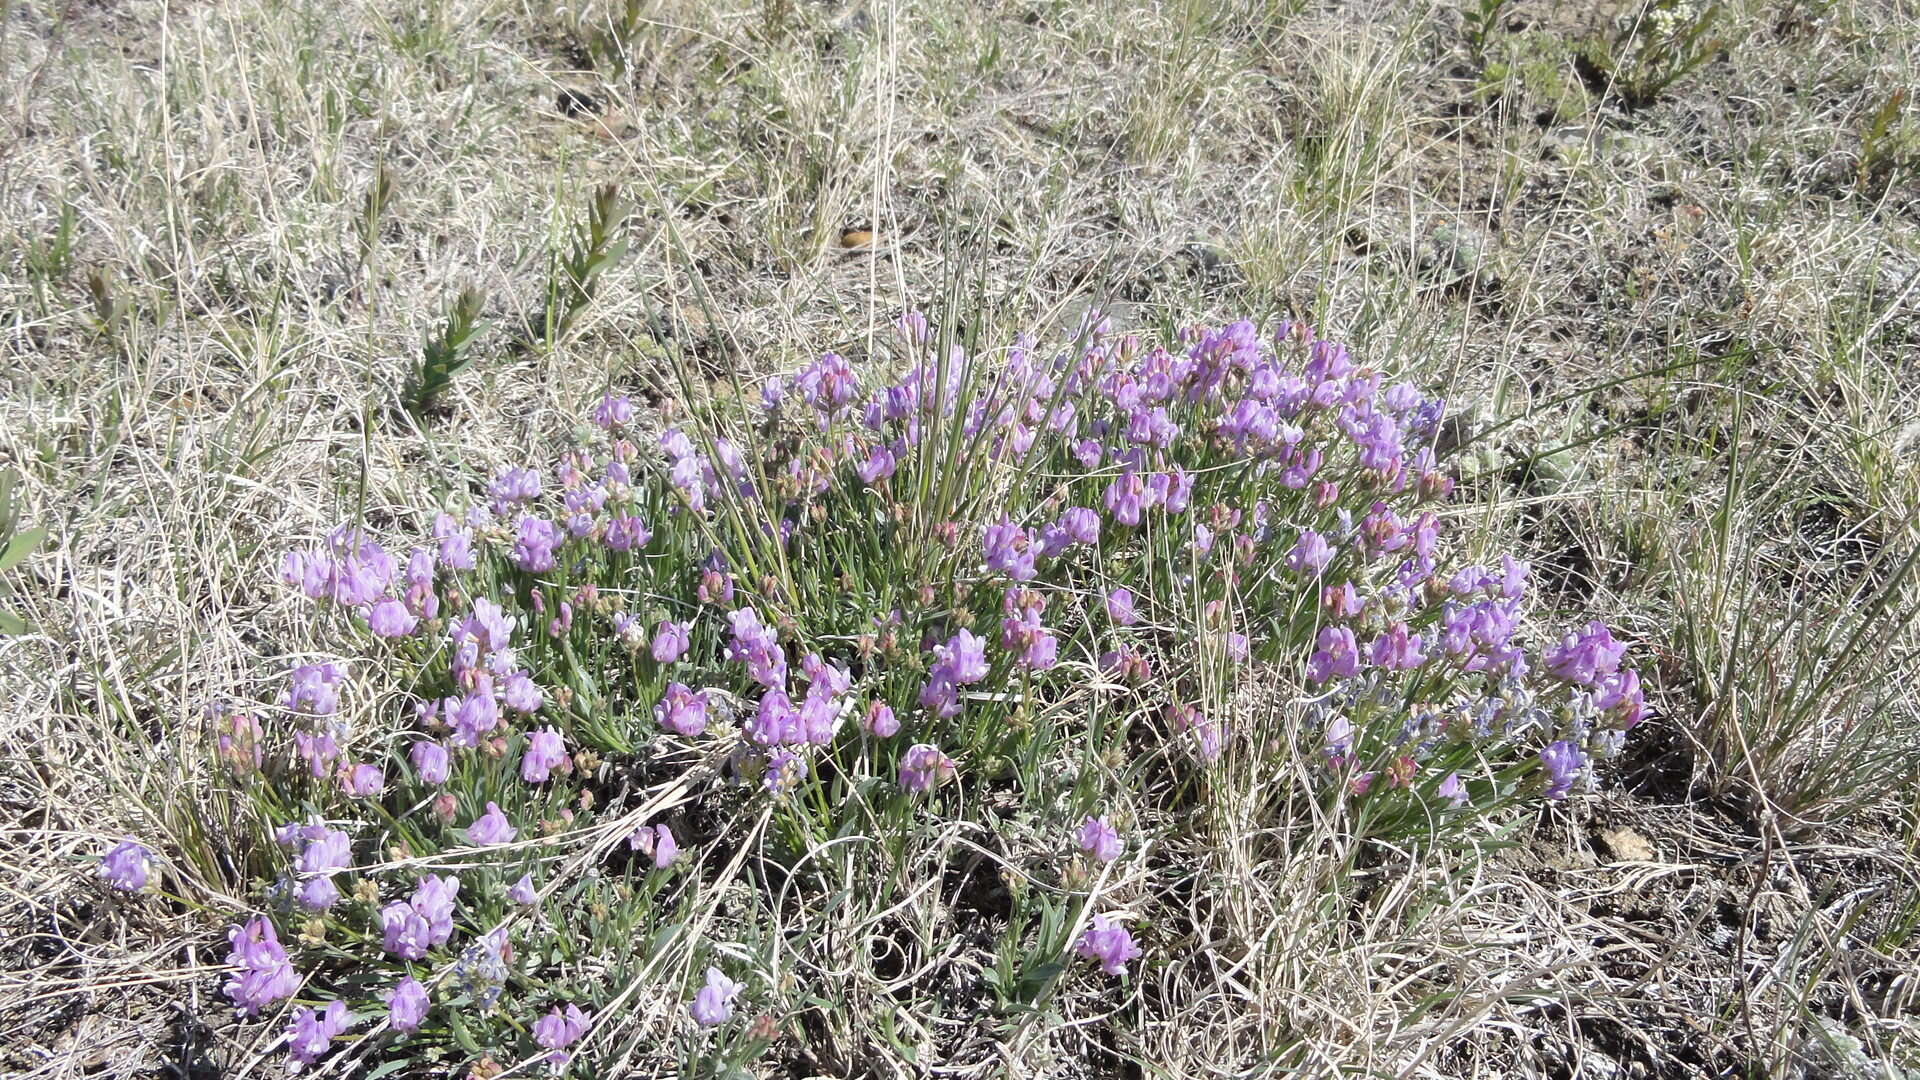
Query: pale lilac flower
point(522, 891)
point(520, 693)
point(879, 720)
point(362, 781)
point(713, 1005)
point(546, 751)
point(1397, 650)
point(1452, 790)
point(1583, 658)
point(774, 721)
point(491, 828)
point(1563, 762)
point(923, 767)
point(319, 751)
point(962, 660)
point(475, 715)
point(511, 487)
point(534, 545)
point(1009, 550)
point(314, 689)
point(785, 771)
point(406, 1005)
point(127, 866)
point(613, 412)
point(1108, 942)
point(390, 618)
point(754, 644)
point(318, 894)
point(456, 542)
point(557, 1030)
point(313, 1030)
point(430, 761)
point(879, 465)
point(670, 641)
point(626, 532)
point(264, 976)
point(1120, 607)
point(327, 853)
point(682, 710)
point(656, 842)
point(1310, 554)
point(1338, 654)
point(1081, 524)
point(1100, 839)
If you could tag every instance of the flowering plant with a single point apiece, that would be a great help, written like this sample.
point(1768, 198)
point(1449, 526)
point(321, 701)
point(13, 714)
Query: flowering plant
point(1107, 575)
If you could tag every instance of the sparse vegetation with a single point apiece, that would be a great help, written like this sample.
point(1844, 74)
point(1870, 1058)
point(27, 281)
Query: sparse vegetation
point(1663, 262)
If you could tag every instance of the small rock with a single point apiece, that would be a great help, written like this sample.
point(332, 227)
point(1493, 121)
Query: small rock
point(1626, 845)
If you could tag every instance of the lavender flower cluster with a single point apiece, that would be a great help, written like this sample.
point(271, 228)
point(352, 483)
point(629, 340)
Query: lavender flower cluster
point(804, 597)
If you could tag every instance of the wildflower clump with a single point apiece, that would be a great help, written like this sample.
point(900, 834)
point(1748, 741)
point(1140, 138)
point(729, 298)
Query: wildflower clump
point(1033, 572)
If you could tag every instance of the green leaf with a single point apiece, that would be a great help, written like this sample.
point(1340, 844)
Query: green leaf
point(20, 547)
point(11, 625)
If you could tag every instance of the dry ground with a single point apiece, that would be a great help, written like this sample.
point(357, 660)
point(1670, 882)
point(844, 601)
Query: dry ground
point(205, 317)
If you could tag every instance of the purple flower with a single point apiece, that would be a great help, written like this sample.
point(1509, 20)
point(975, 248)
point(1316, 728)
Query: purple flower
point(390, 619)
point(1338, 654)
point(1397, 650)
point(491, 828)
point(512, 487)
point(755, 645)
point(1583, 658)
point(264, 975)
point(406, 1005)
point(318, 751)
point(1125, 497)
point(314, 689)
point(626, 532)
point(456, 542)
point(313, 1030)
point(962, 660)
point(713, 1004)
point(1452, 790)
point(412, 927)
point(430, 761)
point(522, 891)
point(670, 641)
point(1310, 554)
point(1108, 942)
point(533, 546)
point(785, 771)
point(557, 1030)
point(546, 751)
point(682, 710)
point(127, 866)
point(1034, 645)
point(657, 842)
point(1563, 762)
point(520, 693)
point(1081, 524)
point(879, 720)
point(879, 465)
point(1010, 550)
point(475, 715)
point(362, 781)
point(1100, 839)
point(1120, 607)
point(318, 894)
point(327, 853)
point(613, 412)
point(923, 767)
